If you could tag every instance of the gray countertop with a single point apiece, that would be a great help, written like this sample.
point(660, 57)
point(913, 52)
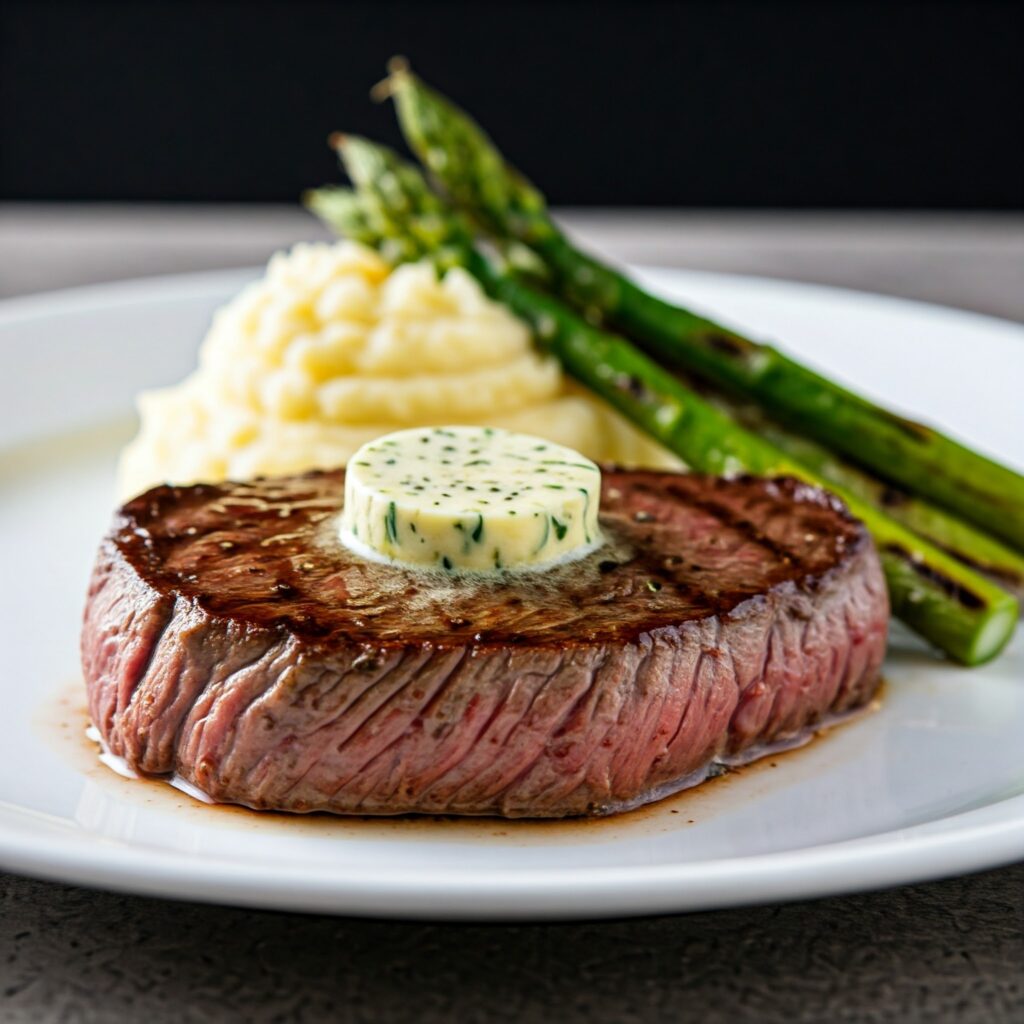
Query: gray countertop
point(974, 261)
point(945, 951)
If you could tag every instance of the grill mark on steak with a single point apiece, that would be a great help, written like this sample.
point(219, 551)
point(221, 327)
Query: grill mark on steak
point(358, 586)
point(750, 530)
point(722, 616)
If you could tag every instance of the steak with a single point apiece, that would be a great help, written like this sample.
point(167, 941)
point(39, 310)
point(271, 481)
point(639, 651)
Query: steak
point(230, 639)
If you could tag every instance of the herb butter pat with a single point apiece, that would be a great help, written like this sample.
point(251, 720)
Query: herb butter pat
point(470, 498)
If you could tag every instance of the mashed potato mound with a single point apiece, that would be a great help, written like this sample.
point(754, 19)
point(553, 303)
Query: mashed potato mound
point(332, 348)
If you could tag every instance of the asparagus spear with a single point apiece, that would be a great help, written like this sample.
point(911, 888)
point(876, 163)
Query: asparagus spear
point(911, 455)
point(955, 608)
point(964, 542)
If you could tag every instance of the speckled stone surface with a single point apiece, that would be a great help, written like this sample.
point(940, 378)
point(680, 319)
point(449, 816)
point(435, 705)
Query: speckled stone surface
point(945, 951)
point(948, 951)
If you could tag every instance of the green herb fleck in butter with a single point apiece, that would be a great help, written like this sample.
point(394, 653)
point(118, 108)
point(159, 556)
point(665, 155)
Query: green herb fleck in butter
point(470, 498)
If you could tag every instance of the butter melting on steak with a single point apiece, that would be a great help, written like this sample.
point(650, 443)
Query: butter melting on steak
point(231, 639)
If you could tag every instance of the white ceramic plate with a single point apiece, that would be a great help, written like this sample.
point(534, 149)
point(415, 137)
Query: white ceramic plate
point(930, 784)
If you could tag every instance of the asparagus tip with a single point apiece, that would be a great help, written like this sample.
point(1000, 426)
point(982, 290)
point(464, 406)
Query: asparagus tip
point(397, 67)
point(336, 140)
point(382, 91)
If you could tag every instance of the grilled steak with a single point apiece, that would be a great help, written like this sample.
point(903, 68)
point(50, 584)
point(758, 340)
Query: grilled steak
point(229, 638)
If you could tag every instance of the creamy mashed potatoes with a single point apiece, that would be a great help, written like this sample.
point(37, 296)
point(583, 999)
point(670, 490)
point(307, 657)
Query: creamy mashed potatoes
point(332, 348)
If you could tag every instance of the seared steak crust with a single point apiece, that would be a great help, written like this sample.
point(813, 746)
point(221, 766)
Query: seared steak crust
point(231, 639)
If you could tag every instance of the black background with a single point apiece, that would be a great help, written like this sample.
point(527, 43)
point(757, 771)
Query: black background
point(780, 104)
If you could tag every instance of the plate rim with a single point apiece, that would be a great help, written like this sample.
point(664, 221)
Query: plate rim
point(932, 850)
point(103, 294)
